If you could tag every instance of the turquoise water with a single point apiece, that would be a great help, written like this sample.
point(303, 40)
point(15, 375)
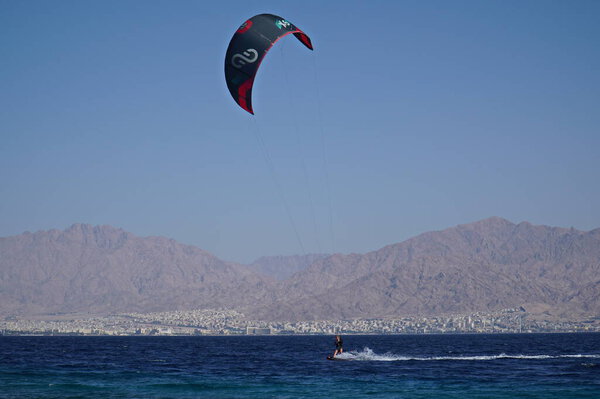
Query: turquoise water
point(401, 366)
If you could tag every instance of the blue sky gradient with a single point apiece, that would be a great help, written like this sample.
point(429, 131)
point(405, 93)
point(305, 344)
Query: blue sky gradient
point(409, 116)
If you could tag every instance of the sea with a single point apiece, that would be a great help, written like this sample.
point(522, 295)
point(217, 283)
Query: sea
point(375, 366)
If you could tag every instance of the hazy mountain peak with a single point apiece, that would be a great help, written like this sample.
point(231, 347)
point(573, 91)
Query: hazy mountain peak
point(283, 267)
point(105, 269)
point(491, 222)
point(102, 236)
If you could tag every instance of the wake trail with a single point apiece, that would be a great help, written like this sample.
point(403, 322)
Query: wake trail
point(368, 355)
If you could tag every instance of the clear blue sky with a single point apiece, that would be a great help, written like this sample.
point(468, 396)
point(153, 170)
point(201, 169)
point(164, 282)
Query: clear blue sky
point(409, 116)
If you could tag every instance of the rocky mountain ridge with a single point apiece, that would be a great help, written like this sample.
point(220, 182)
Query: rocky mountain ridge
point(103, 269)
point(486, 265)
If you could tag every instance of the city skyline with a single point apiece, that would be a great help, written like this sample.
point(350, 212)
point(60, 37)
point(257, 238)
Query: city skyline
point(231, 322)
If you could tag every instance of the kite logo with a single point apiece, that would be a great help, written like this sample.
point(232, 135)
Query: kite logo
point(282, 23)
point(247, 57)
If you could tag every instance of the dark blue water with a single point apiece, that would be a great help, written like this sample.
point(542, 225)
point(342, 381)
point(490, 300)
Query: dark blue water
point(405, 366)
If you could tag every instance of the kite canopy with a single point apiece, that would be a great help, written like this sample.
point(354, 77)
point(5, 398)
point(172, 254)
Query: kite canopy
point(247, 48)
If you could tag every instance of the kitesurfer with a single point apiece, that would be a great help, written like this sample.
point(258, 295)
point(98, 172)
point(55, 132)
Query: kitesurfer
point(339, 346)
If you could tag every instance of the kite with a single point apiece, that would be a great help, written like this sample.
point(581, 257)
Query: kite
point(247, 48)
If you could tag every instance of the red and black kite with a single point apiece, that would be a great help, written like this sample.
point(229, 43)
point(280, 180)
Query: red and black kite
point(247, 48)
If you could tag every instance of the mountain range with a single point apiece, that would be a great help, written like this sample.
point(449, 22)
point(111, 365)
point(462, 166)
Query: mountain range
point(488, 265)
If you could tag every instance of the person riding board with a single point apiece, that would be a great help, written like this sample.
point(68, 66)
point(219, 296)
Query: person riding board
point(339, 346)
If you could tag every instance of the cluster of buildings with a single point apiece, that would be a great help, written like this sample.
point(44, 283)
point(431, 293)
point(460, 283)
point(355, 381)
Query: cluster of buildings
point(231, 322)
